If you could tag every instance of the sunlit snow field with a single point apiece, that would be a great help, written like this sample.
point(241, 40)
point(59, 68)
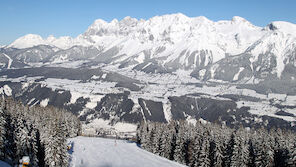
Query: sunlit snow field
point(100, 152)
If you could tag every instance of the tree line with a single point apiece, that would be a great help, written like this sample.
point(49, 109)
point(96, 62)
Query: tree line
point(213, 145)
point(38, 132)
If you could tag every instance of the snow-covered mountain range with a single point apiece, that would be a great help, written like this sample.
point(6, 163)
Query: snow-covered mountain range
point(170, 42)
point(160, 65)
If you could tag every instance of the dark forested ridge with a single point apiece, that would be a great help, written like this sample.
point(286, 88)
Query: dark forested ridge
point(37, 132)
point(216, 145)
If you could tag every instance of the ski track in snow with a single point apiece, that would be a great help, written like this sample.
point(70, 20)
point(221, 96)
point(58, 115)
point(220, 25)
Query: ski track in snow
point(9, 60)
point(100, 152)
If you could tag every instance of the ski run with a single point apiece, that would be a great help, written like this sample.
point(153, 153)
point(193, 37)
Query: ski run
point(102, 152)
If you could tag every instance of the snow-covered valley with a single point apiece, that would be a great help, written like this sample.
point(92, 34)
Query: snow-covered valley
point(100, 152)
point(119, 73)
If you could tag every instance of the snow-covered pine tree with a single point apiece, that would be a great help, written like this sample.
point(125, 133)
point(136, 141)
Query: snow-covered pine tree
point(259, 149)
point(264, 149)
point(240, 154)
point(2, 133)
point(188, 140)
point(156, 138)
point(62, 144)
point(10, 143)
point(204, 157)
point(292, 155)
point(252, 155)
point(223, 146)
point(268, 146)
point(33, 146)
point(145, 136)
point(180, 149)
point(50, 145)
point(28, 129)
point(150, 137)
point(195, 146)
point(229, 151)
point(221, 137)
point(22, 136)
point(139, 132)
point(245, 152)
point(168, 140)
point(163, 140)
point(279, 144)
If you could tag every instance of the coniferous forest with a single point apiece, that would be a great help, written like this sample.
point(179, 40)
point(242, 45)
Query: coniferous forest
point(210, 145)
point(37, 132)
point(41, 134)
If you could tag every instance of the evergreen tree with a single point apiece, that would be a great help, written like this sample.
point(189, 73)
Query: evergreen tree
point(2, 134)
point(292, 155)
point(269, 151)
point(156, 139)
point(166, 142)
point(204, 157)
point(30, 132)
point(41, 151)
point(180, 149)
point(33, 146)
point(220, 147)
point(194, 148)
point(213, 145)
point(62, 144)
point(252, 156)
point(10, 144)
point(139, 132)
point(145, 136)
point(245, 152)
point(229, 151)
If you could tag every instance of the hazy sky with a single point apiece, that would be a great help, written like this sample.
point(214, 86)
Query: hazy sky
point(72, 17)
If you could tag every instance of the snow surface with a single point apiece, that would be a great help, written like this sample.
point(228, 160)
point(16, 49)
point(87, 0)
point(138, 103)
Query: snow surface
point(6, 90)
point(9, 60)
point(100, 152)
point(44, 102)
point(4, 164)
point(286, 27)
point(235, 77)
point(31, 40)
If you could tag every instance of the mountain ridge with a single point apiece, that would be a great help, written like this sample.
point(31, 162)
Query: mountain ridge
point(128, 21)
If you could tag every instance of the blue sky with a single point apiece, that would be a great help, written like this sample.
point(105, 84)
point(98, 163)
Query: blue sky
point(72, 17)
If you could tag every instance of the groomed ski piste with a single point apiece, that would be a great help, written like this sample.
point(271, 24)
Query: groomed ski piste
point(102, 152)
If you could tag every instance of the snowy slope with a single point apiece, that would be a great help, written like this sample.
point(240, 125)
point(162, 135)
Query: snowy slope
point(31, 40)
point(4, 164)
point(99, 152)
point(9, 61)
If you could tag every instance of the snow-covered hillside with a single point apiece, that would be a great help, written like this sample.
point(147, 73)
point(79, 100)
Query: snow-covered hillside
point(100, 152)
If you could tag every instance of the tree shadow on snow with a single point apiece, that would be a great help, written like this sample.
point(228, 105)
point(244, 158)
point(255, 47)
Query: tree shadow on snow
point(138, 145)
